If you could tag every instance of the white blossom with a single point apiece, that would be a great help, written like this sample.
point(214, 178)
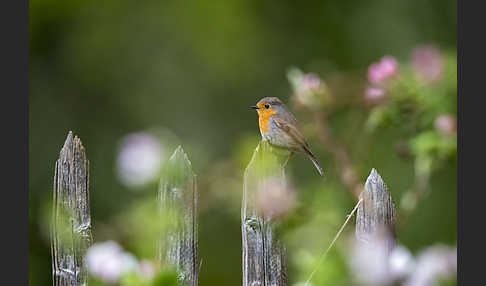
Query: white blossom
point(139, 159)
point(432, 264)
point(108, 261)
point(401, 262)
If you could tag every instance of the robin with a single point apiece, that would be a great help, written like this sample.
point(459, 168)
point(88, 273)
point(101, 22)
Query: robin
point(279, 127)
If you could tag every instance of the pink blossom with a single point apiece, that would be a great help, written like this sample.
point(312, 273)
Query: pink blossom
point(446, 124)
point(374, 95)
point(386, 68)
point(275, 198)
point(309, 89)
point(309, 82)
point(427, 62)
point(309, 86)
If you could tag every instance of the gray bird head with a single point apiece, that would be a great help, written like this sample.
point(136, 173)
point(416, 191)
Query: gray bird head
point(269, 103)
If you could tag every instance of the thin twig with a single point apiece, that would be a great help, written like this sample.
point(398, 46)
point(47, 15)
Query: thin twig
point(343, 159)
point(321, 259)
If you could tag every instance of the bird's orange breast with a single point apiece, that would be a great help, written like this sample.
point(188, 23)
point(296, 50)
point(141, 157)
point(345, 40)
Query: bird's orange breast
point(264, 119)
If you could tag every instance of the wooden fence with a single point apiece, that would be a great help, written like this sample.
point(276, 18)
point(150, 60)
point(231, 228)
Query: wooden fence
point(71, 225)
point(263, 255)
point(264, 260)
point(177, 191)
point(375, 217)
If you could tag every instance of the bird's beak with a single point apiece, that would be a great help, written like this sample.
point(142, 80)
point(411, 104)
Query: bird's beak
point(254, 107)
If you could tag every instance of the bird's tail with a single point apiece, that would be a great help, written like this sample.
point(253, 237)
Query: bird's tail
point(314, 161)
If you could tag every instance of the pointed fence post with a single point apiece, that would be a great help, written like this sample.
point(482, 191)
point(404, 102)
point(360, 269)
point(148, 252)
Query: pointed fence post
point(71, 222)
point(264, 261)
point(177, 191)
point(375, 217)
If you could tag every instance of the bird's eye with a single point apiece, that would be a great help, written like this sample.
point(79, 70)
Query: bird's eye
point(267, 106)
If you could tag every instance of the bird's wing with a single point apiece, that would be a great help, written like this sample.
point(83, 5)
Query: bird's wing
point(291, 130)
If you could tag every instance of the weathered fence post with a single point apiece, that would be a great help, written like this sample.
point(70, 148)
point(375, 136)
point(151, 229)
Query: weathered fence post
point(375, 217)
point(177, 191)
point(71, 221)
point(264, 261)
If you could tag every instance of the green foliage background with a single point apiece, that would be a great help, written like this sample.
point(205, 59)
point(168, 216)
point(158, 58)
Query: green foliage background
point(108, 68)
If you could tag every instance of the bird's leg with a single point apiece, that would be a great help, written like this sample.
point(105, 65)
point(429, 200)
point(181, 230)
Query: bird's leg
point(288, 158)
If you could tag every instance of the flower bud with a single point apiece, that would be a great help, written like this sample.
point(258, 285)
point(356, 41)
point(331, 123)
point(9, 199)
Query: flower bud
point(427, 62)
point(380, 72)
point(374, 95)
point(446, 124)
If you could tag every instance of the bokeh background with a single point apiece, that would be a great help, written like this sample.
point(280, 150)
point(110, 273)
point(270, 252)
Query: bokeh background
point(134, 79)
